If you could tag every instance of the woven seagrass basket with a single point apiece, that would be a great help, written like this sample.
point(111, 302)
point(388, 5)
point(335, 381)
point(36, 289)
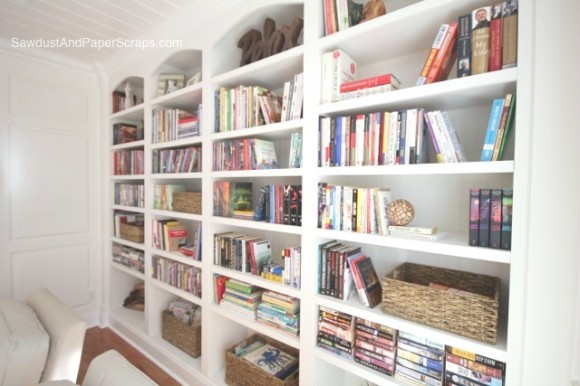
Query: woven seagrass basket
point(407, 294)
point(188, 202)
point(132, 232)
point(240, 372)
point(183, 336)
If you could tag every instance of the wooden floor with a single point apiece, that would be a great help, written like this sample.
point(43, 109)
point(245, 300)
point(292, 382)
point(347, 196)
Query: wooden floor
point(98, 340)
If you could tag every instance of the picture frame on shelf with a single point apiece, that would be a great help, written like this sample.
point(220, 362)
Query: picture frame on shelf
point(169, 83)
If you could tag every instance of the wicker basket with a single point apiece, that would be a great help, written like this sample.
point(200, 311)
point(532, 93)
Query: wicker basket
point(407, 294)
point(240, 372)
point(188, 202)
point(132, 232)
point(183, 336)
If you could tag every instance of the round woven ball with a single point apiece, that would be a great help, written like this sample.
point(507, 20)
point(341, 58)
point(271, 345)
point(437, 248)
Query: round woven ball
point(400, 212)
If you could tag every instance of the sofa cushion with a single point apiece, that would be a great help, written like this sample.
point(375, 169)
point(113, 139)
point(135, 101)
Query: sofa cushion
point(112, 369)
point(24, 344)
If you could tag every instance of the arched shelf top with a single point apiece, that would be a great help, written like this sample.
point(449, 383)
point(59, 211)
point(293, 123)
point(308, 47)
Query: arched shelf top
point(134, 85)
point(227, 56)
point(180, 70)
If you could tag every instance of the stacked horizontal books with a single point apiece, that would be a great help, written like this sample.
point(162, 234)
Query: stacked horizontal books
point(173, 273)
point(241, 298)
point(184, 160)
point(244, 154)
point(279, 311)
point(174, 124)
point(465, 368)
point(129, 162)
point(419, 360)
point(370, 139)
point(375, 346)
point(131, 258)
point(335, 332)
point(416, 232)
point(373, 85)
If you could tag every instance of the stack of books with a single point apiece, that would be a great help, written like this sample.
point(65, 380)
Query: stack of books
point(375, 345)
point(280, 311)
point(241, 298)
point(465, 368)
point(419, 360)
point(335, 332)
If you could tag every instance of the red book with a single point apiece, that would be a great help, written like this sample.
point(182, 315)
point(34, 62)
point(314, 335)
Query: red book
point(432, 53)
point(440, 67)
point(495, 38)
point(373, 81)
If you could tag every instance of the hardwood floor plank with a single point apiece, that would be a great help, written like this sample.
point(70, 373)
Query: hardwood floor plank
point(98, 340)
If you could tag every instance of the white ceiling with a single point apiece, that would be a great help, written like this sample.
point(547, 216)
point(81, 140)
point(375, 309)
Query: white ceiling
point(84, 24)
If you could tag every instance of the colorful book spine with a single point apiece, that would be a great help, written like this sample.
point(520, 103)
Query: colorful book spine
point(480, 38)
point(439, 70)
point(474, 217)
point(506, 219)
point(495, 38)
point(437, 43)
point(495, 218)
point(510, 34)
point(484, 216)
point(373, 81)
point(492, 127)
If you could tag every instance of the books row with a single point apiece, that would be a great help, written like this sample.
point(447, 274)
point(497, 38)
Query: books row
point(239, 107)
point(499, 127)
point(378, 138)
point(127, 132)
point(344, 268)
point(244, 154)
point(487, 39)
point(175, 235)
point(119, 98)
point(241, 252)
point(341, 14)
point(279, 204)
point(408, 358)
point(174, 124)
point(173, 273)
point(129, 257)
point(182, 160)
point(129, 162)
point(130, 195)
point(490, 218)
point(353, 209)
point(291, 99)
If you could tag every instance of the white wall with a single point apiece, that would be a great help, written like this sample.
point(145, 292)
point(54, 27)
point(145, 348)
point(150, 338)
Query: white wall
point(49, 168)
point(550, 354)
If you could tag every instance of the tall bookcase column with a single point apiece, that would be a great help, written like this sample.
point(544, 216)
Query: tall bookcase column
point(309, 310)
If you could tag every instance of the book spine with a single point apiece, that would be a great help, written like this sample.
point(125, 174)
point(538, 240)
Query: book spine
point(484, 217)
point(464, 46)
point(495, 38)
point(495, 219)
point(480, 39)
point(506, 219)
point(447, 50)
point(510, 35)
point(378, 80)
point(474, 217)
point(502, 127)
point(492, 127)
point(439, 38)
point(366, 92)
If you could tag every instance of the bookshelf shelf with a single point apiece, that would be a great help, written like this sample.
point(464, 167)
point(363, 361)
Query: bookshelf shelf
point(177, 292)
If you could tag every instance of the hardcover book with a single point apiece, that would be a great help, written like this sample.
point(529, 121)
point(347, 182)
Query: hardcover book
point(366, 280)
point(272, 360)
point(464, 46)
point(445, 58)
point(506, 219)
point(510, 34)
point(480, 40)
point(263, 154)
point(337, 67)
point(435, 47)
point(474, 217)
point(484, 216)
point(492, 128)
point(495, 38)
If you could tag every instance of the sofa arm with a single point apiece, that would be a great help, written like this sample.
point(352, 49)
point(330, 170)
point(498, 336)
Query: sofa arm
point(67, 334)
point(112, 369)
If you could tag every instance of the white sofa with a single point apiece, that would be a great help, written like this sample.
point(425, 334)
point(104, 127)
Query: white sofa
point(40, 340)
point(109, 369)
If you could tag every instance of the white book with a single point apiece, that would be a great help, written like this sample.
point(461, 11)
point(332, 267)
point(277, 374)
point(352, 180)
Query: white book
point(337, 68)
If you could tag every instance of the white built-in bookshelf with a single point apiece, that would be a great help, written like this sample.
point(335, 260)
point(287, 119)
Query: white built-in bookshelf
point(396, 42)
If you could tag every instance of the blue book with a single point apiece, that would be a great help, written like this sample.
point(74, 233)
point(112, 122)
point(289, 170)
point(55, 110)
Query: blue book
point(492, 128)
